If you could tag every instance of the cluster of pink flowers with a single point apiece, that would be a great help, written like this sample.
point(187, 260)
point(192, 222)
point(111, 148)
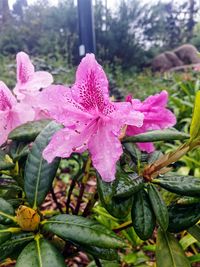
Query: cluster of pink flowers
point(91, 121)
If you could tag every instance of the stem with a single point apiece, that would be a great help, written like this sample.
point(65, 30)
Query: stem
point(80, 196)
point(82, 186)
point(123, 226)
point(11, 230)
point(55, 200)
point(90, 205)
point(97, 261)
point(8, 216)
point(73, 183)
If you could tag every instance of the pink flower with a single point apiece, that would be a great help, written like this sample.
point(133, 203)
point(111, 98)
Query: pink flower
point(91, 120)
point(29, 82)
point(156, 116)
point(12, 114)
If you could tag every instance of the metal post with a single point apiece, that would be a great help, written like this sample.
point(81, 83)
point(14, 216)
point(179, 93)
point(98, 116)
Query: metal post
point(86, 27)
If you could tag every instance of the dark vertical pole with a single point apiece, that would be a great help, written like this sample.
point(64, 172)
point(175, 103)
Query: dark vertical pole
point(86, 27)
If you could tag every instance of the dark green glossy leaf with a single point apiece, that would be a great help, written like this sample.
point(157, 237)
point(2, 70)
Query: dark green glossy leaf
point(158, 135)
point(182, 217)
point(182, 185)
point(159, 207)
point(39, 174)
point(5, 163)
point(4, 235)
point(16, 241)
point(83, 231)
point(127, 184)
point(169, 252)
point(18, 150)
point(40, 253)
point(142, 215)
point(185, 200)
point(119, 208)
point(6, 210)
point(101, 253)
point(154, 156)
point(28, 131)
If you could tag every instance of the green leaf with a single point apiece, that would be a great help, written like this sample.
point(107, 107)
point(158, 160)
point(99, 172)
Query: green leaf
point(159, 207)
point(126, 184)
point(194, 258)
point(195, 124)
point(182, 185)
point(158, 135)
point(40, 253)
point(39, 175)
point(119, 208)
point(101, 253)
point(6, 212)
point(142, 215)
point(28, 131)
point(154, 156)
point(187, 241)
point(83, 231)
point(4, 235)
point(18, 150)
point(169, 251)
point(5, 163)
point(195, 232)
point(16, 241)
point(183, 217)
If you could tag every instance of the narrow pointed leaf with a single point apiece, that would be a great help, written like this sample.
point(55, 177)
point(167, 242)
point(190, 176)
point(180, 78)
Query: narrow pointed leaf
point(169, 251)
point(126, 184)
point(181, 217)
point(182, 185)
point(40, 253)
point(83, 231)
point(4, 235)
point(158, 135)
point(101, 253)
point(142, 215)
point(159, 207)
point(6, 210)
point(39, 174)
point(195, 124)
point(119, 208)
point(28, 131)
point(17, 241)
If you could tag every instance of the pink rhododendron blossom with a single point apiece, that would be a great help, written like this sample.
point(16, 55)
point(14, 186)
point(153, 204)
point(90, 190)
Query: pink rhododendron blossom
point(91, 120)
point(29, 82)
point(156, 116)
point(12, 114)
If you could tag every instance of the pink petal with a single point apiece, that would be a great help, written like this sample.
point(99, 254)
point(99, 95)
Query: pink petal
point(124, 114)
point(4, 126)
point(24, 113)
point(147, 147)
point(91, 86)
point(7, 100)
point(25, 69)
point(105, 149)
point(156, 116)
point(58, 102)
point(40, 79)
point(67, 141)
point(28, 81)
